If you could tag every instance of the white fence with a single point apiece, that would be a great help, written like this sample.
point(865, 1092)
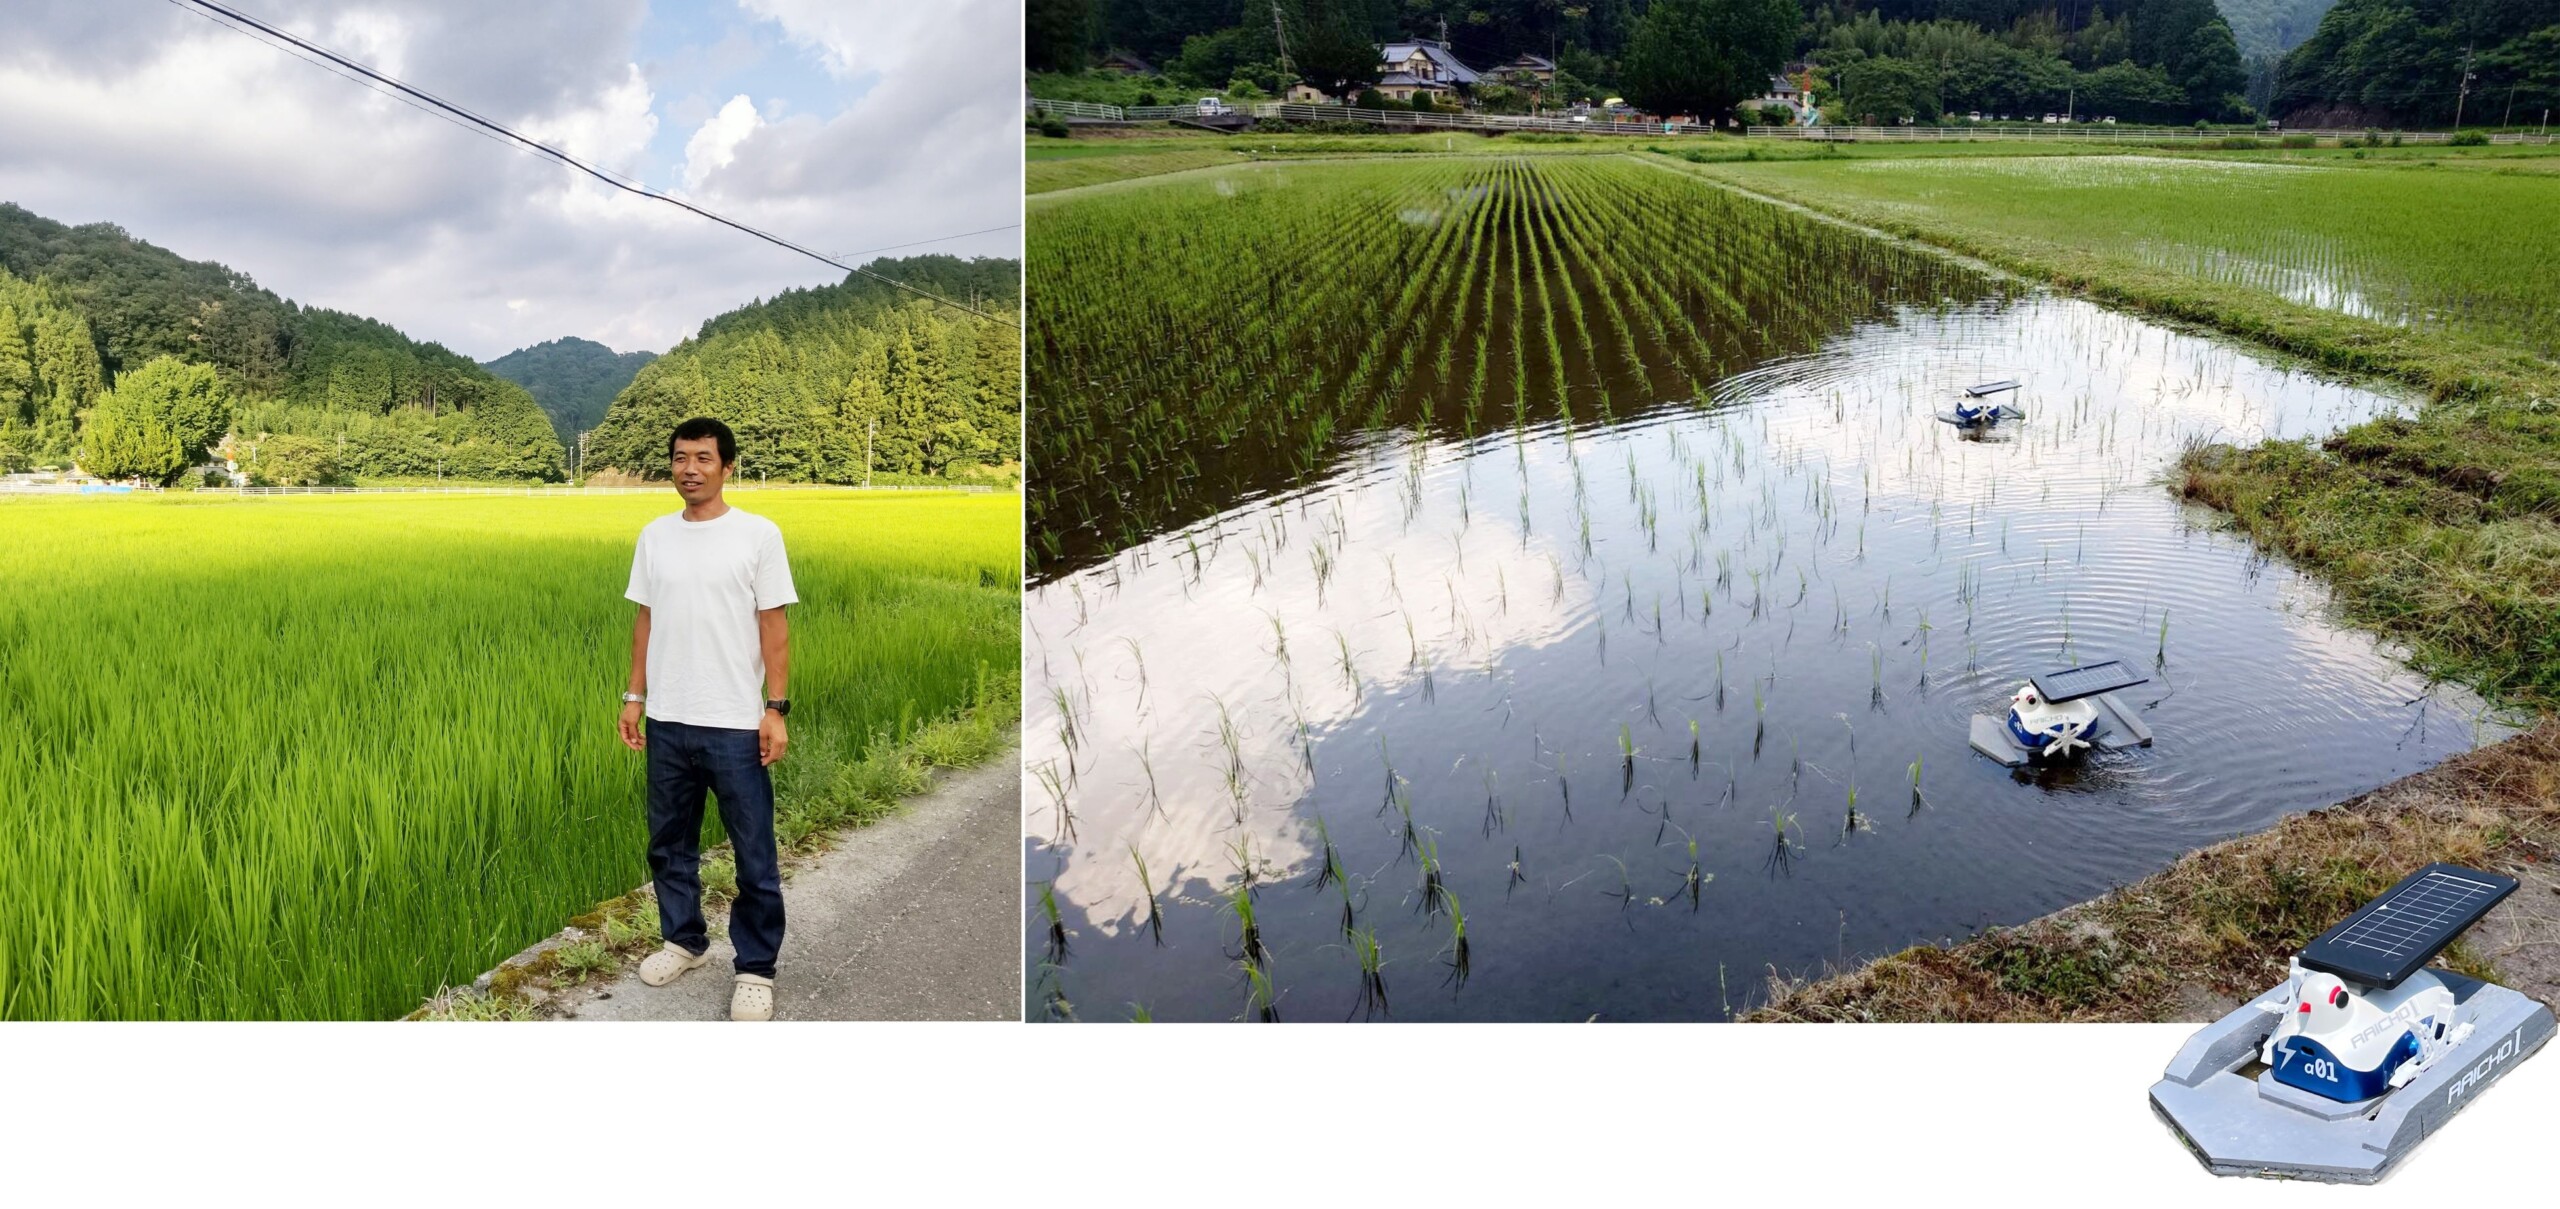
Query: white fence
point(2078, 132)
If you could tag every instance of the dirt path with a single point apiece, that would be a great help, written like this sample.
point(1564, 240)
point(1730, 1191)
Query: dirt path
point(916, 917)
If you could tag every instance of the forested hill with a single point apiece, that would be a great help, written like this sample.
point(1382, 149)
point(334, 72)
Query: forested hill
point(351, 396)
point(1879, 61)
point(804, 377)
point(574, 380)
point(2268, 28)
point(2400, 62)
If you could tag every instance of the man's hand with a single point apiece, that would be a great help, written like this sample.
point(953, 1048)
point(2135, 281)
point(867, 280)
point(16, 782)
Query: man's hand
point(634, 735)
point(771, 738)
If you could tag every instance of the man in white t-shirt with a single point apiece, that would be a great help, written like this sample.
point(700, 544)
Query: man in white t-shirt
point(710, 658)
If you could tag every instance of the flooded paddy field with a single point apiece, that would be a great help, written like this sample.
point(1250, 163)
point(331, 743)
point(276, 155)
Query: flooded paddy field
point(1649, 674)
point(2457, 249)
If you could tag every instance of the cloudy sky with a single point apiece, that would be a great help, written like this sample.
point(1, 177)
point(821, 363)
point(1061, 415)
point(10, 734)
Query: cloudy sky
point(844, 125)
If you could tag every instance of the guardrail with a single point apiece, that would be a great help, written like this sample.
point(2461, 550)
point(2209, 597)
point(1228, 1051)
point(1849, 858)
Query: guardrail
point(1291, 111)
point(1078, 109)
point(2097, 132)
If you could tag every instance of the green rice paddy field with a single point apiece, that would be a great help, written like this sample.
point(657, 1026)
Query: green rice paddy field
point(316, 757)
point(2465, 247)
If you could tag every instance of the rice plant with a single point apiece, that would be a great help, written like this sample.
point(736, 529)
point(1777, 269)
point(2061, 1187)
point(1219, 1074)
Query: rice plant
point(317, 757)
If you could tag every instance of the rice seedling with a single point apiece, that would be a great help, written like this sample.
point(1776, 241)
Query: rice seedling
point(1055, 951)
point(1147, 887)
point(1249, 947)
point(1782, 851)
point(1433, 894)
point(1329, 867)
point(318, 757)
point(1373, 983)
point(1262, 999)
point(1459, 963)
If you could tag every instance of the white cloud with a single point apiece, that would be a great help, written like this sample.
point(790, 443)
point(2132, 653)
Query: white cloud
point(222, 148)
point(716, 143)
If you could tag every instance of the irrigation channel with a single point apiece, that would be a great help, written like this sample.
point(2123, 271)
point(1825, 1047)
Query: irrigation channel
point(1613, 694)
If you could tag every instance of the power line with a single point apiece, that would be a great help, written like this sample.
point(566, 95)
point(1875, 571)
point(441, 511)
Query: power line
point(936, 239)
point(421, 99)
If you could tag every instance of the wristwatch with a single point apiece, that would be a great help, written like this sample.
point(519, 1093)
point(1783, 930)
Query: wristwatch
point(780, 705)
point(632, 698)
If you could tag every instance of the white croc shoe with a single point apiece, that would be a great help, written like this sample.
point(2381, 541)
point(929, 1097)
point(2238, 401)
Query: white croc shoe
point(752, 999)
point(670, 963)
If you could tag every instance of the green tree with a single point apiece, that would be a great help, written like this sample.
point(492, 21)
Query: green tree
point(1700, 57)
point(122, 441)
point(288, 460)
point(1886, 91)
point(1056, 34)
point(185, 398)
point(1329, 45)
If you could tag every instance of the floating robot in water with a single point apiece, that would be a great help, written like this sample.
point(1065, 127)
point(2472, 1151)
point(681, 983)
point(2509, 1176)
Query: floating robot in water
point(2362, 1052)
point(2055, 715)
point(1981, 408)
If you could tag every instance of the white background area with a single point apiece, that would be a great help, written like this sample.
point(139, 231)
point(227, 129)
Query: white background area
point(1139, 1116)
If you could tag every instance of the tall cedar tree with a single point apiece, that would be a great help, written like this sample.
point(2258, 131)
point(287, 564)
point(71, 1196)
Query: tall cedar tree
point(1700, 57)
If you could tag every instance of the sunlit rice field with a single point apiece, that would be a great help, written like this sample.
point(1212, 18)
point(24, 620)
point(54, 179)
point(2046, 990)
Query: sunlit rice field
point(2461, 250)
point(1208, 338)
point(1509, 590)
point(314, 758)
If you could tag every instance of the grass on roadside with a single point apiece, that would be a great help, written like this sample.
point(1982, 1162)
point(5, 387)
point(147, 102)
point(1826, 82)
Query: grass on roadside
point(821, 792)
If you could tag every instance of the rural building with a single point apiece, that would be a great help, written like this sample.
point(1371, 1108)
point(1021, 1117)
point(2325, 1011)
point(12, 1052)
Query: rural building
point(1406, 68)
point(1121, 62)
point(1529, 66)
point(1303, 93)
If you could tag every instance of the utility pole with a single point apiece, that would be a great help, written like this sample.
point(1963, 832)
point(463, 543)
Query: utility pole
point(1280, 38)
point(2465, 94)
point(2510, 119)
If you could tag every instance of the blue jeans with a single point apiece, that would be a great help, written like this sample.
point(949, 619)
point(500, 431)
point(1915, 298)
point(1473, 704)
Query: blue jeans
point(685, 761)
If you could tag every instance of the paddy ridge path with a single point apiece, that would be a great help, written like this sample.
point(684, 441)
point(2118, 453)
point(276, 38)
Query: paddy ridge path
point(915, 917)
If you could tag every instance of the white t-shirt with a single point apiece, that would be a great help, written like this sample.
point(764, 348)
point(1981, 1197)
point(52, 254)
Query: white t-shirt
point(704, 582)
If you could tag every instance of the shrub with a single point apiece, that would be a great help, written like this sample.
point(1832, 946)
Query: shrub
point(2299, 141)
point(1370, 98)
point(1422, 103)
point(2469, 138)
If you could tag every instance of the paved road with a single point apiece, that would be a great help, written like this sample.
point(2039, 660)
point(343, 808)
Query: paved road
point(916, 917)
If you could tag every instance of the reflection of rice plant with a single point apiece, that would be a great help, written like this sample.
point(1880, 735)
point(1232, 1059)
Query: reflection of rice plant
point(1494, 819)
point(1147, 886)
point(1693, 747)
point(1350, 674)
point(1516, 874)
point(1055, 952)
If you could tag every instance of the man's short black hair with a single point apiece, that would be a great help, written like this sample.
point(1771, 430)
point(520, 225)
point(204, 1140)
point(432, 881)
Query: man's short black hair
point(704, 426)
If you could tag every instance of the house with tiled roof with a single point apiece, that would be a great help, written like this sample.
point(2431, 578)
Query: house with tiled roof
point(1405, 68)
